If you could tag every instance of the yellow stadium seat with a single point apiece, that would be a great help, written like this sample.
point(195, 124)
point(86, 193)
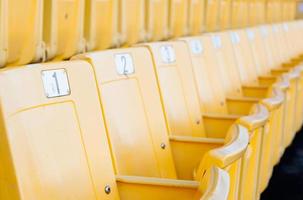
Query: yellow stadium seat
point(212, 17)
point(176, 81)
point(101, 24)
point(156, 19)
point(196, 16)
point(63, 28)
point(131, 21)
point(233, 86)
point(54, 143)
point(225, 14)
point(20, 32)
point(178, 18)
point(215, 63)
point(275, 50)
point(138, 124)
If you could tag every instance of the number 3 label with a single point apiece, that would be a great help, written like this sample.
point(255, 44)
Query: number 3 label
point(55, 83)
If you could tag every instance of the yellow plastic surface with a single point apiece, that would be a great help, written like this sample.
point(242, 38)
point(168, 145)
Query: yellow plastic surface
point(212, 18)
point(196, 16)
point(178, 18)
point(51, 147)
point(131, 21)
point(101, 24)
point(63, 28)
point(20, 32)
point(156, 19)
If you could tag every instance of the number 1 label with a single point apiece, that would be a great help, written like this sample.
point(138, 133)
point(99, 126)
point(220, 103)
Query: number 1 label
point(55, 83)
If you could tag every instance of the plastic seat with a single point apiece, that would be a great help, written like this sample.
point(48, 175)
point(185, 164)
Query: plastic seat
point(181, 100)
point(215, 63)
point(131, 22)
point(274, 67)
point(229, 74)
point(20, 32)
point(101, 24)
point(137, 125)
point(63, 26)
point(212, 18)
point(178, 18)
point(54, 143)
point(157, 19)
point(196, 16)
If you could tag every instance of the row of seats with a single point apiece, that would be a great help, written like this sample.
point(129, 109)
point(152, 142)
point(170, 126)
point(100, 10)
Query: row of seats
point(201, 117)
point(40, 30)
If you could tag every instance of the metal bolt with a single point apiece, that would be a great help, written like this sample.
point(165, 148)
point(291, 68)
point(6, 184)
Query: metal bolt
point(107, 189)
point(162, 146)
point(198, 121)
point(222, 103)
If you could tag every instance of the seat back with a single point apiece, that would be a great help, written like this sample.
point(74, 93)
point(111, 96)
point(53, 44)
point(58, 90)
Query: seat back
point(131, 21)
point(178, 89)
point(207, 75)
point(52, 140)
point(196, 16)
point(225, 58)
point(212, 15)
point(63, 28)
point(225, 14)
point(20, 32)
point(133, 112)
point(244, 57)
point(178, 18)
point(101, 24)
point(156, 19)
point(240, 13)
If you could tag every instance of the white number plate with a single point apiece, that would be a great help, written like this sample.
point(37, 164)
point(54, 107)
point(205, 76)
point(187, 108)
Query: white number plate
point(196, 47)
point(55, 83)
point(168, 54)
point(124, 64)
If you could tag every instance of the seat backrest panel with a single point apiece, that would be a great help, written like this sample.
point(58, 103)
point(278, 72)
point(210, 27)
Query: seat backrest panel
point(177, 19)
point(244, 57)
point(101, 24)
point(20, 44)
point(156, 19)
point(63, 28)
point(196, 16)
point(212, 15)
point(132, 21)
point(207, 74)
point(133, 112)
point(39, 128)
point(228, 64)
point(178, 89)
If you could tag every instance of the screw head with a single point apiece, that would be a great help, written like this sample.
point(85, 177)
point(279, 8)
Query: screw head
point(163, 146)
point(107, 189)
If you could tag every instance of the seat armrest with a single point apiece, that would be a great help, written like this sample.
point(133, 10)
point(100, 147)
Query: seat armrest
point(257, 119)
point(275, 101)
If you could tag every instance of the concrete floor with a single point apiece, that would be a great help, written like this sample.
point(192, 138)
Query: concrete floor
point(287, 180)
